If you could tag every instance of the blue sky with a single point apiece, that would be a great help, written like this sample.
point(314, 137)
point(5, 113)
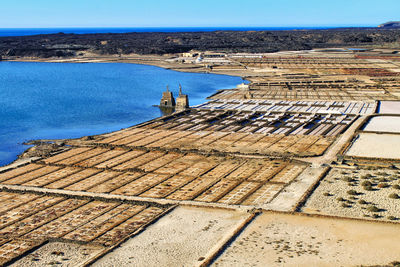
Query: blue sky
point(195, 13)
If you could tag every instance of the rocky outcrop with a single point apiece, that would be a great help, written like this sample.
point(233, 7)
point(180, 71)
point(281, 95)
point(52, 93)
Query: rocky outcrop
point(42, 149)
point(390, 24)
point(68, 45)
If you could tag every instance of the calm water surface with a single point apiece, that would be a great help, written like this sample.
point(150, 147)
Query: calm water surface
point(62, 100)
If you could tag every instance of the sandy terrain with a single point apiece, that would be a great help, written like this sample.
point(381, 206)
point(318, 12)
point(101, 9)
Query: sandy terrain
point(384, 124)
point(288, 199)
point(332, 195)
point(59, 254)
point(390, 107)
point(376, 146)
point(180, 238)
point(287, 240)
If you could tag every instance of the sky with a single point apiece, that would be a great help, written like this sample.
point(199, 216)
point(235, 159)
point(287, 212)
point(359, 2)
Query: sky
point(196, 13)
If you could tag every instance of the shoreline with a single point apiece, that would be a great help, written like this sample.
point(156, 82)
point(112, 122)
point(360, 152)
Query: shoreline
point(157, 61)
point(36, 143)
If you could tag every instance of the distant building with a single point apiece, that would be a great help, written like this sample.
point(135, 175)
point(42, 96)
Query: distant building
point(199, 60)
point(190, 54)
point(167, 100)
point(182, 101)
point(168, 103)
point(213, 55)
point(243, 86)
point(245, 55)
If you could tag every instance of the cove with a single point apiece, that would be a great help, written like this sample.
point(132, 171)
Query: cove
point(70, 100)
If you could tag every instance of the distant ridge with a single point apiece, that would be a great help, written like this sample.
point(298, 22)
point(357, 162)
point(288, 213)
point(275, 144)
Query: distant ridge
point(70, 45)
point(390, 24)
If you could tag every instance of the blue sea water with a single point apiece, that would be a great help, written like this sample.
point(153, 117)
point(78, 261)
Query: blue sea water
point(69, 100)
point(35, 31)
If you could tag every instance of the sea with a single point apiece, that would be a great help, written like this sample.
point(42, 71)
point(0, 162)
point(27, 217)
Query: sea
point(36, 31)
point(70, 100)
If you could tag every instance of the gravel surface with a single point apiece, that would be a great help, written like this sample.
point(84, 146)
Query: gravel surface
point(59, 254)
point(294, 240)
point(333, 195)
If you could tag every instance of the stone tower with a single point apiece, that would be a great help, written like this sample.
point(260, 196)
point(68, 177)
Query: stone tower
point(182, 101)
point(167, 100)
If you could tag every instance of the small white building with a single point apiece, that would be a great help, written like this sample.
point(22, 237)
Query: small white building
point(190, 54)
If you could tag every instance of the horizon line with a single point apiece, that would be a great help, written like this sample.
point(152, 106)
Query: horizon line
point(194, 27)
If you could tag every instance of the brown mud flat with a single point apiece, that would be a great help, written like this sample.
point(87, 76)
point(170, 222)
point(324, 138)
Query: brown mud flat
point(28, 221)
point(159, 175)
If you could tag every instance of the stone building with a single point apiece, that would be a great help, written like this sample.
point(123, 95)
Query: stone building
point(167, 100)
point(182, 101)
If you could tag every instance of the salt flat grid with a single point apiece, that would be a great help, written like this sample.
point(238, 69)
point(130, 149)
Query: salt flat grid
point(242, 149)
point(32, 223)
point(173, 178)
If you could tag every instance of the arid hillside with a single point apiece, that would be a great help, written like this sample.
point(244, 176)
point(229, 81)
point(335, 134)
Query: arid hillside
point(68, 45)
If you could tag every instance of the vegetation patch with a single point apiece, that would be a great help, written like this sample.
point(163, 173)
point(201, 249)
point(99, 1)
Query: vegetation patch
point(379, 188)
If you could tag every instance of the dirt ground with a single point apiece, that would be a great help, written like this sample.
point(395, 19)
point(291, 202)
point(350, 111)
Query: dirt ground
point(58, 254)
point(180, 238)
point(346, 193)
point(287, 240)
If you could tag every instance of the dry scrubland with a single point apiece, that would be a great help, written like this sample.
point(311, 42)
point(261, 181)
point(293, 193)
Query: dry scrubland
point(359, 193)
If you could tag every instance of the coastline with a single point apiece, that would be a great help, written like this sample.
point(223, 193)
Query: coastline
point(158, 61)
point(41, 147)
